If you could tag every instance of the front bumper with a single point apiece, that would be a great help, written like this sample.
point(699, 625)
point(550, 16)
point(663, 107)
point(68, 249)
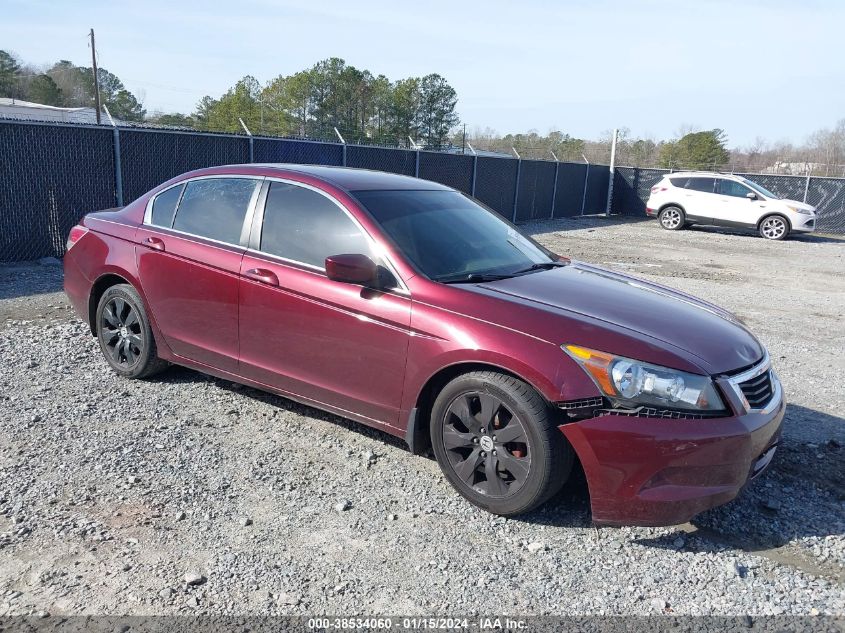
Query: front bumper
point(805, 223)
point(658, 471)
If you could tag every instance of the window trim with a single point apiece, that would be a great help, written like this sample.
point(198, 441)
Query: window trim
point(746, 187)
point(254, 241)
point(247, 221)
point(713, 180)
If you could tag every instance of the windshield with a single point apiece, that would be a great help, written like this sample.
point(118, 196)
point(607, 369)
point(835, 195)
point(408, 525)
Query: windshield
point(449, 237)
point(760, 189)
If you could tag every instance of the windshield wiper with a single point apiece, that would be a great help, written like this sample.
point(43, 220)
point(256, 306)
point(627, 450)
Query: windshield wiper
point(541, 266)
point(473, 278)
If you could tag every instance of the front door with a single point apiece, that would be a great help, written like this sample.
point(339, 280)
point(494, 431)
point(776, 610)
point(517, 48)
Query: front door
point(332, 343)
point(189, 259)
point(733, 207)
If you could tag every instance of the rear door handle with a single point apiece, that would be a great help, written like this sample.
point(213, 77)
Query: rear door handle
point(154, 242)
point(262, 275)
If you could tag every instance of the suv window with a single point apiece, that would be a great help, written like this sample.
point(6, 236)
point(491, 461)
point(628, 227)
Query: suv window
point(733, 188)
point(701, 184)
point(215, 208)
point(164, 206)
point(305, 226)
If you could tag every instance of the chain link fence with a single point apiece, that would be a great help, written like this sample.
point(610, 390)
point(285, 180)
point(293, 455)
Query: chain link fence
point(132, 160)
point(275, 150)
point(149, 158)
point(632, 187)
point(452, 170)
point(49, 177)
point(52, 174)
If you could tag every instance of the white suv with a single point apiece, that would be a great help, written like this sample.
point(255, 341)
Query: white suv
point(695, 197)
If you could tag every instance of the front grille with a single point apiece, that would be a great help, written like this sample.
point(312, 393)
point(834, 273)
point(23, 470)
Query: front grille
point(584, 403)
point(758, 390)
point(669, 414)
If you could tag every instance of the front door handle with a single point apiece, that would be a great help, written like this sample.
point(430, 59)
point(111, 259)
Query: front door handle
point(154, 242)
point(262, 275)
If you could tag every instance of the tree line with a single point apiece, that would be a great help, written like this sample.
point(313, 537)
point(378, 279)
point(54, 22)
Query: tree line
point(331, 95)
point(822, 154)
point(66, 85)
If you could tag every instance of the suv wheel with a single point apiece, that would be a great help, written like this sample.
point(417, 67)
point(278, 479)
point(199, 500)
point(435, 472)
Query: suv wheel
point(124, 334)
point(774, 227)
point(672, 218)
point(497, 443)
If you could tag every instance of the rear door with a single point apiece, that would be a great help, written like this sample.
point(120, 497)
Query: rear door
point(698, 198)
point(734, 208)
point(189, 256)
point(332, 343)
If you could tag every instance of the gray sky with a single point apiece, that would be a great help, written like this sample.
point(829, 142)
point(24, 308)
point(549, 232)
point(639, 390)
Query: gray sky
point(772, 68)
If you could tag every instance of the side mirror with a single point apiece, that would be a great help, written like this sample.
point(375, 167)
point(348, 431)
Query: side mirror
point(751, 195)
point(351, 269)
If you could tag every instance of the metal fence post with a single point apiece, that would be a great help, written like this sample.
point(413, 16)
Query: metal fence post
point(807, 187)
point(417, 164)
point(612, 174)
point(554, 187)
point(118, 172)
point(474, 174)
point(516, 188)
point(344, 154)
point(586, 180)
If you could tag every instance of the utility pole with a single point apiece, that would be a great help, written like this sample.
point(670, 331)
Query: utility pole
point(96, 79)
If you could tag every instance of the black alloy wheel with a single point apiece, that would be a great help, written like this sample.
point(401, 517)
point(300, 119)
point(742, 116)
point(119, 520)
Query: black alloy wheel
point(497, 442)
point(124, 333)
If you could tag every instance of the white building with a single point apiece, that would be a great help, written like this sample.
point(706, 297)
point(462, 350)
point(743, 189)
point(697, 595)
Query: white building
point(28, 111)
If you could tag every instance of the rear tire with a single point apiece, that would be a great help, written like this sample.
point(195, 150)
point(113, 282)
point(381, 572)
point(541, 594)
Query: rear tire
point(774, 227)
point(497, 443)
point(672, 218)
point(124, 333)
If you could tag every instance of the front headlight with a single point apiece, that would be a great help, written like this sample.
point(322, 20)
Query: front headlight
point(631, 382)
point(799, 210)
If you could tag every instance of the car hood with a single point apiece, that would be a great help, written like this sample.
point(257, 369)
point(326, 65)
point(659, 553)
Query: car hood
point(798, 204)
point(715, 339)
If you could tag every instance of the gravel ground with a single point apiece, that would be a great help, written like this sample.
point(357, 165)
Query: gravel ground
point(181, 495)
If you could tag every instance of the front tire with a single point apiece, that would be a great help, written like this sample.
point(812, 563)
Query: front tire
point(124, 333)
point(497, 443)
point(774, 227)
point(672, 218)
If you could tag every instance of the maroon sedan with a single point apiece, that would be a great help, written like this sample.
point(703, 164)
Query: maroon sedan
point(408, 306)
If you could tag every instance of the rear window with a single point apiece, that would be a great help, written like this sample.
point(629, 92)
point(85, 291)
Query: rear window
point(215, 208)
point(701, 184)
point(164, 206)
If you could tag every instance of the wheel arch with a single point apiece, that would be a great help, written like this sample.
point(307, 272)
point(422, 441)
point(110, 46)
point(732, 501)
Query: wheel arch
point(778, 214)
point(419, 422)
point(98, 288)
point(671, 204)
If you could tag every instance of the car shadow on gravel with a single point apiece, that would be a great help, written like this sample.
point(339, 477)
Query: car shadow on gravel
point(540, 226)
point(30, 278)
point(751, 233)
point(176, 374)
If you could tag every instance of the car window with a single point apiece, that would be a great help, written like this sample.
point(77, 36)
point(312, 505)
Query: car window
point(701, 184)
point(305, 226)
point(164, 206)
point(447, 235)
point(733, 188)
point(215, 208)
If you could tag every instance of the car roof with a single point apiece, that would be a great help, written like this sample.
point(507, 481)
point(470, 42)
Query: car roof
point(702, 174)
point(350, 178)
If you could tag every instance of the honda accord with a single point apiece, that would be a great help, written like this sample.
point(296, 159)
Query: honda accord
point(408, 306)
